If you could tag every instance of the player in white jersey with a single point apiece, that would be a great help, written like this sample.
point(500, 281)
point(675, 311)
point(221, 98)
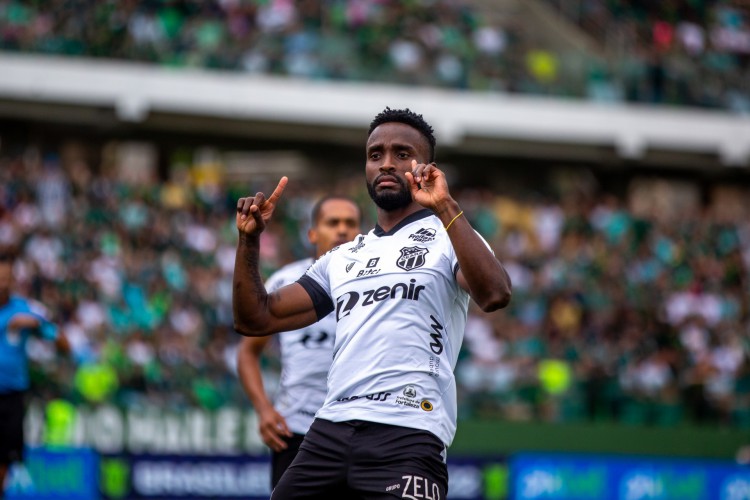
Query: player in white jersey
point(305, 353)
point(400, 294)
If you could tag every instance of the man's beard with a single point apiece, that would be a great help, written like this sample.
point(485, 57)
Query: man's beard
point(389, 200)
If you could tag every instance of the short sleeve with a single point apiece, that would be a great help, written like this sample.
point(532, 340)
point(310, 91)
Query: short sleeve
point(318, 285)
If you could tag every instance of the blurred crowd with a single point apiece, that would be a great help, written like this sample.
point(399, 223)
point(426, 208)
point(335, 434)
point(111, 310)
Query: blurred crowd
point(694, 52)
point(621, 310)
point(634, 309)
point(681, 52)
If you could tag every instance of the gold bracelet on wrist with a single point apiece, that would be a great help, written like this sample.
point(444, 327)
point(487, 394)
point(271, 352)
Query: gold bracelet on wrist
point(454, 219)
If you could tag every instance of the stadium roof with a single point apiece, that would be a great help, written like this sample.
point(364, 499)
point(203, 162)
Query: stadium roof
point(79, 90)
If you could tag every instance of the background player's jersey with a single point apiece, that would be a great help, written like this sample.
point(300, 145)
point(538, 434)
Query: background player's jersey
point(14, 373)
point(306, 355)
point(401, 315)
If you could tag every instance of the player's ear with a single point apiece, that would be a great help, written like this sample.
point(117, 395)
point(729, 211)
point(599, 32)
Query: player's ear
point(312, 236)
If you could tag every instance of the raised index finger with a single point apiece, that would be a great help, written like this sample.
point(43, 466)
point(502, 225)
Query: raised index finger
point(279, 189)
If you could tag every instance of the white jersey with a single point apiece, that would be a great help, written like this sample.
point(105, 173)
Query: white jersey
point(401, 315)
point(305, 358)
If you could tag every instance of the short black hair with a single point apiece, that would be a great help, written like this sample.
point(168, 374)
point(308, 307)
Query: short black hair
point(407, 117)
point(315, 216)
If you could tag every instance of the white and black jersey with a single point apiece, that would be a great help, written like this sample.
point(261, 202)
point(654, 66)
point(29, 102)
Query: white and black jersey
point(306, 355)
point(400, 322)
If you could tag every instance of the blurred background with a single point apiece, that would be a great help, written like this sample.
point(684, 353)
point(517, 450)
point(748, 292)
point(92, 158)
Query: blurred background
point(601, 146)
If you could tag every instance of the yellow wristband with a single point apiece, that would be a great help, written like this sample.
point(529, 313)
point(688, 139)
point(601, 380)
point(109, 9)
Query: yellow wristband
point(454, 219)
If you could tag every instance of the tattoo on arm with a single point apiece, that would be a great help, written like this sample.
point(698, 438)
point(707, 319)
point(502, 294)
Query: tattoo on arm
point(252, 264)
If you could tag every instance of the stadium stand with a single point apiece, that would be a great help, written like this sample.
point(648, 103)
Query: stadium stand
point(681, 52)
point(630, 308)
point(686, 53)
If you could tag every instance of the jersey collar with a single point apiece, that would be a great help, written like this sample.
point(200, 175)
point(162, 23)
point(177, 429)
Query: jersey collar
point(425, 212)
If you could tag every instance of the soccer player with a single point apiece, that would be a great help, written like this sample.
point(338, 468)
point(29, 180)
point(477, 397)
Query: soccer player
point(19, 318)
point(400, 294)
point(305, 353)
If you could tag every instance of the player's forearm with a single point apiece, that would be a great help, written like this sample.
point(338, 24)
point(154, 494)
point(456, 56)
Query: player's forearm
point(257, 396)
point(249, 296)
point(248, 369)
point(24, 320)
point(489, 283)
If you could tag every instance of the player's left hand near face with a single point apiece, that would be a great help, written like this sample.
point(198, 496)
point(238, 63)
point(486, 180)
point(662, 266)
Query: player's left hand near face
point(253, 212)
point(428, 185)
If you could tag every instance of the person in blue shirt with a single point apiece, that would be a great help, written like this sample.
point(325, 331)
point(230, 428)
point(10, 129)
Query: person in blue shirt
point(19, 318)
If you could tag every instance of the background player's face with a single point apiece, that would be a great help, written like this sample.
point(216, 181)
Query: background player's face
point(6, 281)
point(338, 223)
point(390, 149)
